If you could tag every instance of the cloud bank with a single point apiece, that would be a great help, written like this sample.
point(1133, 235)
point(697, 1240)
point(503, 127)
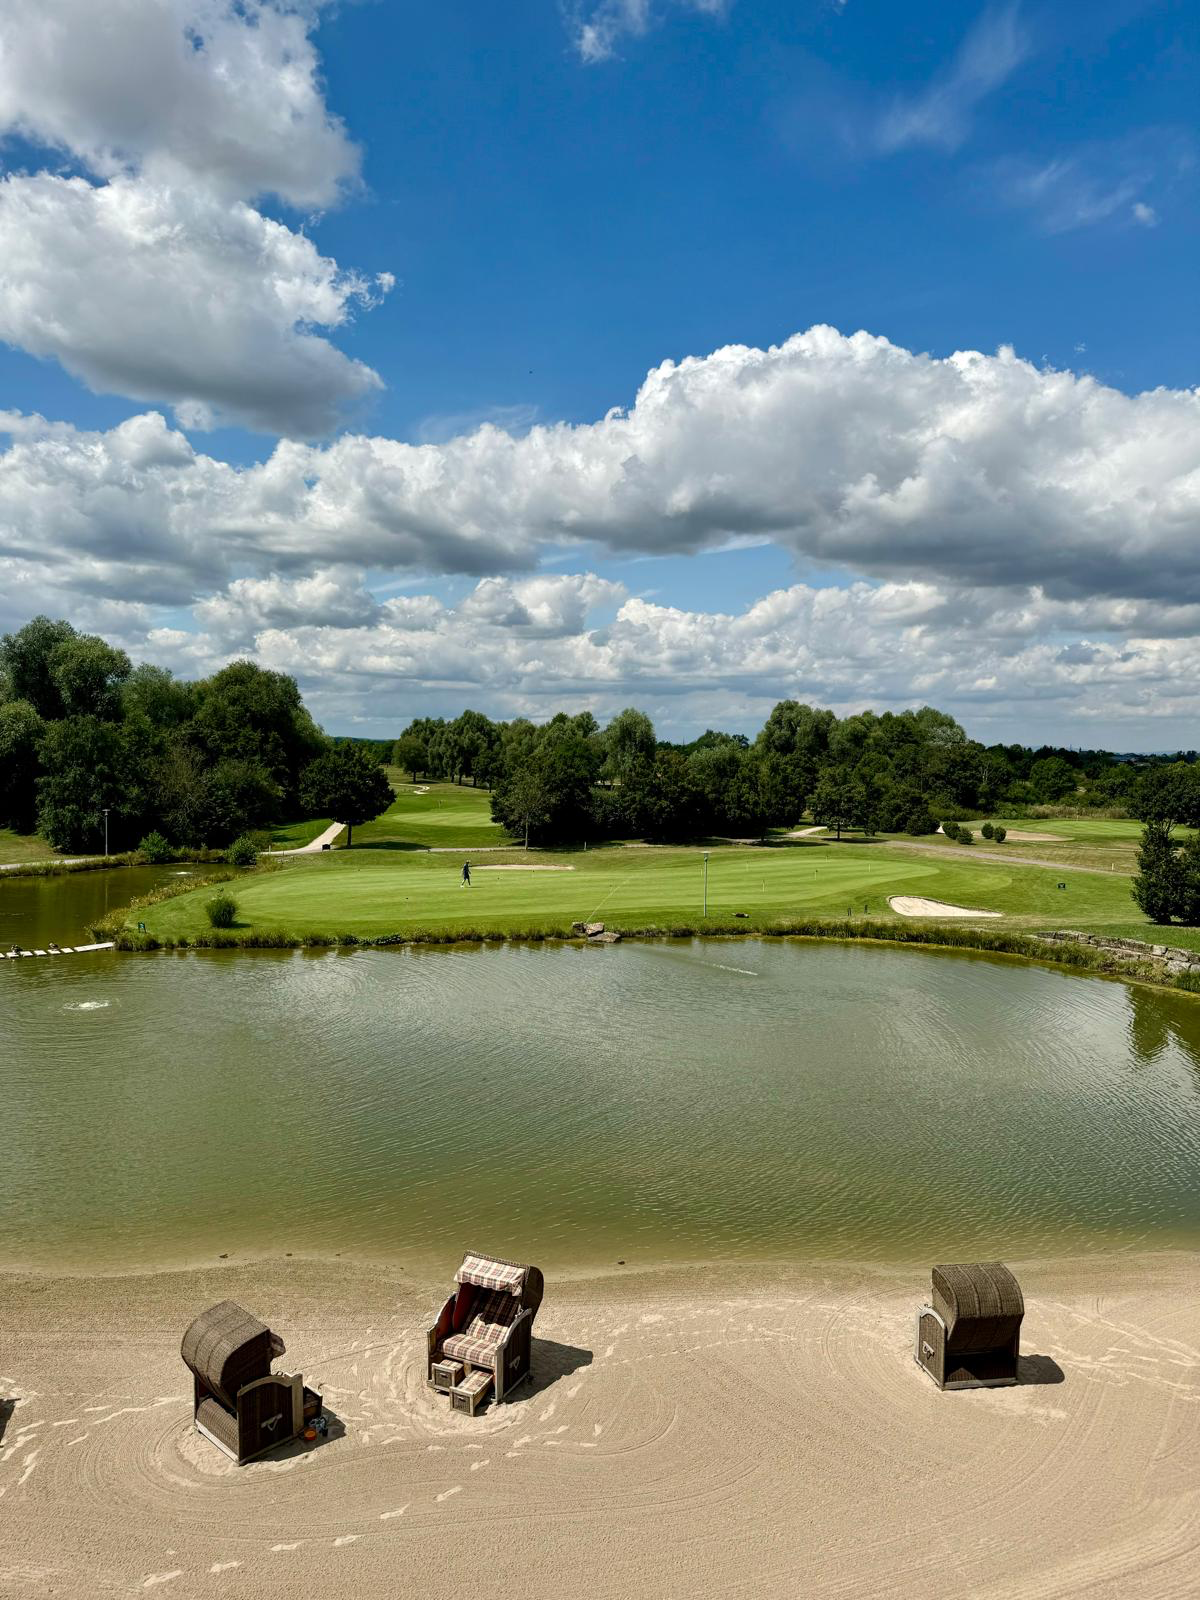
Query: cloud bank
point(1013, 532)
point(154, 276)
point(980, 470)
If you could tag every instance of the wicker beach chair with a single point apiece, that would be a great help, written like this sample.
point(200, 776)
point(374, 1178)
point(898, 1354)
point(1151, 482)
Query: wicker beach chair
point(237, 1401)
point(970, 1337)
point(485, 1324)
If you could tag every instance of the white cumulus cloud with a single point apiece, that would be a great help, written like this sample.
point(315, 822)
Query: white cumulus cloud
point(980, 470)
point(175, 297)
point(226, 92)
point(1012, 532)
point(161, 281)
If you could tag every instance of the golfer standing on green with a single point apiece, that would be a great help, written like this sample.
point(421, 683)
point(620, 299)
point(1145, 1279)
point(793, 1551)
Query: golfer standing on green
point(466, 875)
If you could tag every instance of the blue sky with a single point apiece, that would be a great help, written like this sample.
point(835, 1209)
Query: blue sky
point(566, 197)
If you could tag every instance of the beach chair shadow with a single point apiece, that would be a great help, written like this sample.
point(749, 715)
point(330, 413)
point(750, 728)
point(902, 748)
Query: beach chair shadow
point(335, 1429)
point(550, 1361)
point(1039, 1369)
point(7, 1407)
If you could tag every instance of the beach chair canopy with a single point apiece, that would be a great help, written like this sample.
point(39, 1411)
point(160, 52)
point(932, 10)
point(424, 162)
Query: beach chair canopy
point(980, 1303)
point(485, 1272)
point(226, 1347)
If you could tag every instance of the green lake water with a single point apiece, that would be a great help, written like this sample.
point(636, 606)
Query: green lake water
point(731, 1100)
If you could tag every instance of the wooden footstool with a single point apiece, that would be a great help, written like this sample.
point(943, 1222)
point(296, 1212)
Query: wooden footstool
point(445, 1374)
point(472, 1391)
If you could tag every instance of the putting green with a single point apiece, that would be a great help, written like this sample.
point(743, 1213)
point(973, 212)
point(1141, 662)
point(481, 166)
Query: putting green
point(433, 814)
point(370, 893)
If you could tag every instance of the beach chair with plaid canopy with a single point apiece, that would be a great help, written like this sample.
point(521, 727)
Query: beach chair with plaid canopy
point(487, 1322)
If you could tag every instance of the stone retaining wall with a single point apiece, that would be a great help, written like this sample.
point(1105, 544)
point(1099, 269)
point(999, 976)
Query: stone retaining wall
point(1171, 957)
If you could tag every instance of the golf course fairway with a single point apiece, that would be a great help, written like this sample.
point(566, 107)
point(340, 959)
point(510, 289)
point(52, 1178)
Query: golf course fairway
point(373, 893)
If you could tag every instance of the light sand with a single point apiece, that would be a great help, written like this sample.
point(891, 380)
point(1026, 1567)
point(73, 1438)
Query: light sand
point(915, 905)
point(728, 1432)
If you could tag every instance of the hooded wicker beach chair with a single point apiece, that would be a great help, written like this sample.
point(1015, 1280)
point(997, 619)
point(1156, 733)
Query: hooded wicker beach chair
point(238, 1402)
point(486, 1325)
point(970, 1337)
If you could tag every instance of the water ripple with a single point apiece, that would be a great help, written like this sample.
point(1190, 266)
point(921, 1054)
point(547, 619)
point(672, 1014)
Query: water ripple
point(572, 1103)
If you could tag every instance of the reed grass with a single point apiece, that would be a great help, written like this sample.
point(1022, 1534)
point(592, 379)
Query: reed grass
point(1079, 957)
point(112, 925)
point(126, 858)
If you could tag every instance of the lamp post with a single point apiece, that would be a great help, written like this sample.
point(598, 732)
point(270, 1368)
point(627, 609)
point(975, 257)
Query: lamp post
point(105, 809)
point(706, 883)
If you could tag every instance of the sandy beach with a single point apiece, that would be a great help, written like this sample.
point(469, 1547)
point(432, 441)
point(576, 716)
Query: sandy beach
point(722, 1431)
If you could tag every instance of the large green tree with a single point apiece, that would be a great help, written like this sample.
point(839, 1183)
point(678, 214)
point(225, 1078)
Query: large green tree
point(628, 739)
point(246, 713)
point(411, 754)
point(1160, 887)
point(21, 731)
point(26, 657)
point(347, 784)
point(88, 675)
point(837, 800)
point(88, 766)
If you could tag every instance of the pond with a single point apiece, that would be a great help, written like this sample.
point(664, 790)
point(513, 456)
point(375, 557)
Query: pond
point(61, 905)
point(736, 1099)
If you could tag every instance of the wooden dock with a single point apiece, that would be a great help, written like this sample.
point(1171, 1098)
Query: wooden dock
point(59, 950)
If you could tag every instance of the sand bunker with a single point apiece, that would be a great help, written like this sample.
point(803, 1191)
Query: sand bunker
point(675, 1420)
point(915, 905)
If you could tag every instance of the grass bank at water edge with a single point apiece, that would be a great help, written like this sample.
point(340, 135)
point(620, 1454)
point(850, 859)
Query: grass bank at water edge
point(1080, 957)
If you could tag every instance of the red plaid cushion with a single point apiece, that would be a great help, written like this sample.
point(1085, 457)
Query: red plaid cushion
point(478, 1352)
point(491, 1317)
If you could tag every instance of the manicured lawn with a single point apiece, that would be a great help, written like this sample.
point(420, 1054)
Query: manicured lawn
point(375, 892)
point(1107, 843)
point(24, 847)
point(1085, 830)
point(291, 835)
point(430, 815)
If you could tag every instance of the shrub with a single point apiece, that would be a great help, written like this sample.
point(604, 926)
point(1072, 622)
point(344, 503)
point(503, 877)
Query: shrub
point(988, 831)
point(950, 829)
point(920, 822)
point(242, 852)
point(222, 911)
point(999, 835)
point(965, 836)
point(154, 848)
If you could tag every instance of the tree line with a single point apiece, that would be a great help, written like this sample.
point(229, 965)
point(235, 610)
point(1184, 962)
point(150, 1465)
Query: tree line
point(83, 732)
point(568, 779)
point(202, 763)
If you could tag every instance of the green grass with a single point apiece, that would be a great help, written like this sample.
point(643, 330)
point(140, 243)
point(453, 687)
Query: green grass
point(1106, 843)
point(429, 815)
point(291, 835)
point(372, 893)
point(24, 847)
